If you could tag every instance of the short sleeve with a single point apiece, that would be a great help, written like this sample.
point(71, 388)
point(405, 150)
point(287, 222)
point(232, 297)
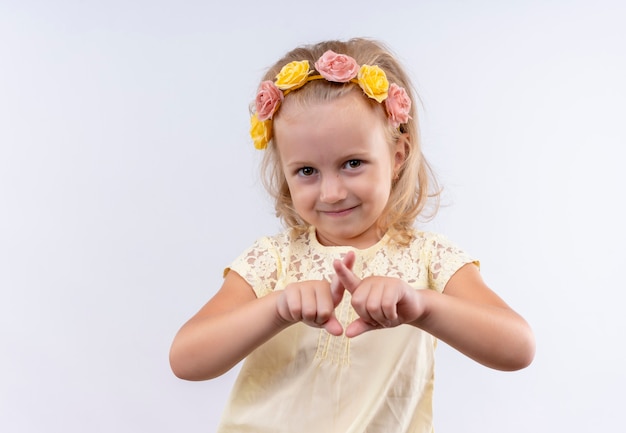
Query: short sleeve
point(259, 265)
point(445, 259)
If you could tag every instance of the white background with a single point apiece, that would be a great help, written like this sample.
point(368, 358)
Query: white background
point(128, 182)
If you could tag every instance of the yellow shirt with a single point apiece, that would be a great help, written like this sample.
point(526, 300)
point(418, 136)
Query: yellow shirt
point(306, 380)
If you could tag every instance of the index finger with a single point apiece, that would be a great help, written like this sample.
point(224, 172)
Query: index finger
point(346, 277)
point(349, 259)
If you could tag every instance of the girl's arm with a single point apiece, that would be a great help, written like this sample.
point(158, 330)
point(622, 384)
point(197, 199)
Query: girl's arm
point(473, 319)
point(225, 330)
point(235, 322)
point(467, 315)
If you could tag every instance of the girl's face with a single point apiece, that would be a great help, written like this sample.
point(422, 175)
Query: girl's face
point(339, 167)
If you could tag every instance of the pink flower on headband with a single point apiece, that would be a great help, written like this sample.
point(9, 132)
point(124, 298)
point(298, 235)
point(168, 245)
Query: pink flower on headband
point(268, 98)
point(337, 67)
point(398, 105)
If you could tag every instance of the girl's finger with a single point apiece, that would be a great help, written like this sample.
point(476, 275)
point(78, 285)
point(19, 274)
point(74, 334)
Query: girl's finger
point(346, 277)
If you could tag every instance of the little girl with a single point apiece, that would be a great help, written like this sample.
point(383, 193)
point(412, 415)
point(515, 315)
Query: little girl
point(338, 316)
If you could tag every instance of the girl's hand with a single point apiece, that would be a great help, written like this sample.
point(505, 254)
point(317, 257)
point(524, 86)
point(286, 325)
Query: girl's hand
point(314, 302)
point(380, 302)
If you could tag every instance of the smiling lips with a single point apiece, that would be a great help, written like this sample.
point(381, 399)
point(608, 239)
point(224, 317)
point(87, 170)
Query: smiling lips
point(338, 212)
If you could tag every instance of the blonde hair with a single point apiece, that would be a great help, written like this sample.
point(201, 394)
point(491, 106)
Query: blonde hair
point(415, 183)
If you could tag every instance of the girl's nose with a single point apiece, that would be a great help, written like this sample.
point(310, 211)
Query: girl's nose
point(332, 189)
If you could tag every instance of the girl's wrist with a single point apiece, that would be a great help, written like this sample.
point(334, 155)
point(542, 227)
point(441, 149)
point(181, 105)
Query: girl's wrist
point(422, 304)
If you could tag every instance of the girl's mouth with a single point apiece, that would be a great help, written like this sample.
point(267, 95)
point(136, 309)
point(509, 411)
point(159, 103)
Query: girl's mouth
point(339, 212)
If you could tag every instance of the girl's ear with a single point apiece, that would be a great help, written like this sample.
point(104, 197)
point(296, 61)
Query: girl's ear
point(400, 152)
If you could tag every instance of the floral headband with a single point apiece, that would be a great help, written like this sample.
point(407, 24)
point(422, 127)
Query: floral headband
point(333, 67)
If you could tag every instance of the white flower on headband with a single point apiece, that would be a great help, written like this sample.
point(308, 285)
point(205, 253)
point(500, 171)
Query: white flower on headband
point(333, 67)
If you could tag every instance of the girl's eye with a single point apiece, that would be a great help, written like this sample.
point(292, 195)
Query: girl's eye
point(306, 171)
point(353, 163)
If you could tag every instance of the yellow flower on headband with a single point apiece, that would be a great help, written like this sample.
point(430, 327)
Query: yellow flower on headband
point(260, 131)
point(373, 81)
point(293, 75)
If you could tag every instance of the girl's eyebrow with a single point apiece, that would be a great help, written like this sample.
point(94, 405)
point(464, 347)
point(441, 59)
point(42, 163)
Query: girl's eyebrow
point(340, 160)
point(298, 163)
point(357, 155)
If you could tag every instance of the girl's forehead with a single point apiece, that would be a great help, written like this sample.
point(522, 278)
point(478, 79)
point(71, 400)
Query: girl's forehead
point(328, 132)
point(319, 117)
point(297, 105)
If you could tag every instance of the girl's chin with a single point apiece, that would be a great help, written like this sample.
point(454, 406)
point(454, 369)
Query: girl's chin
point(356, 240)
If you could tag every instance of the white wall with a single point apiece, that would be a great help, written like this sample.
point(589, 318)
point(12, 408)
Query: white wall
point(127, 183)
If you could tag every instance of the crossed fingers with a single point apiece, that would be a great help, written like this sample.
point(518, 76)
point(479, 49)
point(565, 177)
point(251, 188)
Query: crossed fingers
point(376, 300)
point(380, 302)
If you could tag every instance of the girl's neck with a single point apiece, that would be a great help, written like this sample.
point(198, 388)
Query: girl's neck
point(360, 243)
